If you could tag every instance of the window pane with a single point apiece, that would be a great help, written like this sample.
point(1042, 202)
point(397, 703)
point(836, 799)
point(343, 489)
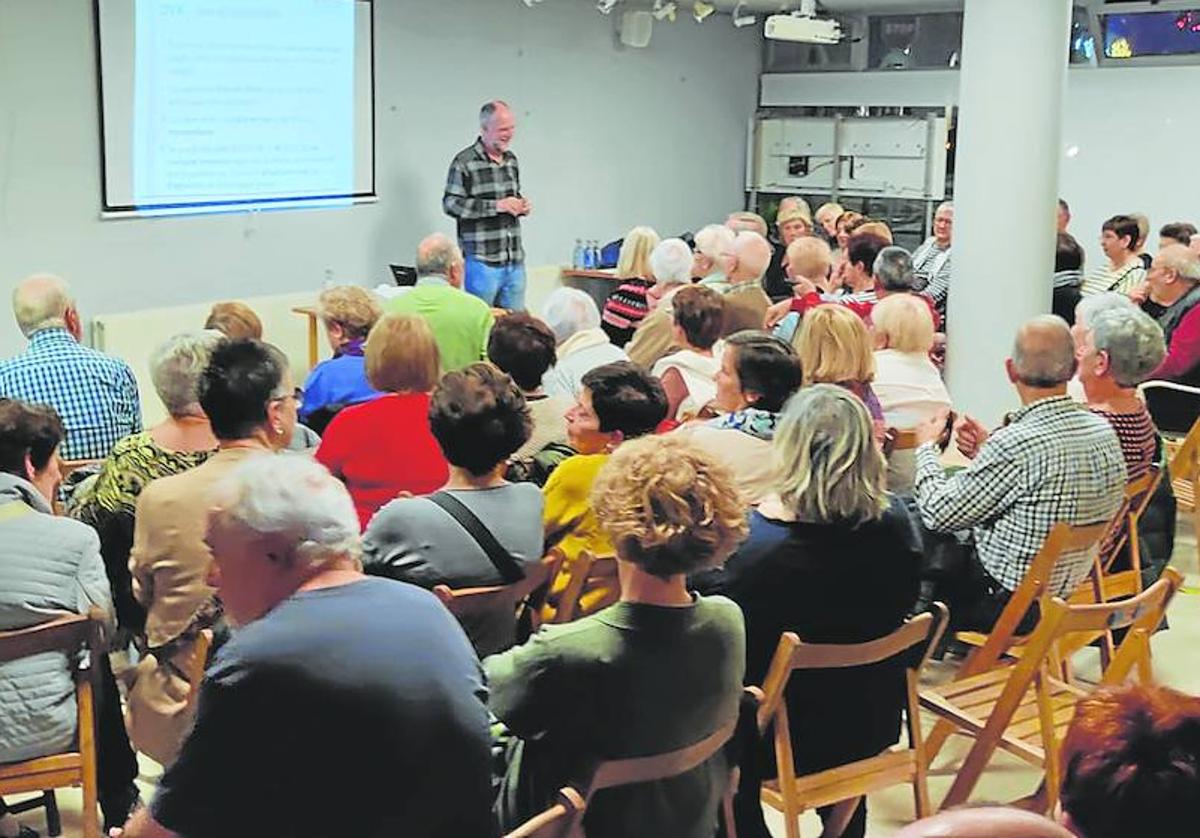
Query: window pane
point(1152, 33)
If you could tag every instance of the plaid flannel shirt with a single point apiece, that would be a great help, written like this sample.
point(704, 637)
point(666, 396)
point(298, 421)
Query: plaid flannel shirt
point(473, 186)
point(95, 394)
point(1055, 461)
point(931, 263)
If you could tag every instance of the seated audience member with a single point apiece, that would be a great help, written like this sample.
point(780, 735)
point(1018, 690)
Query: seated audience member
point(383, 448)
point(1054, 461)
point(1177, 232)
point(618, 402)
point(908, 385)
point(235, 320)
point(752, 222)
point(51, 565)
point(348, 313)
point(688, 375)
point(1131, 764)
point(658, 671)
point(863, 286)
point(672, 264)
point(834, 347)
point(523, 346)
point(1174, 301)
point(460, 322)
point(794, 224)
point(746, 303)
point(1139, 247)
point(714, 243)
point(328, 670)
point(247, 392)
point(95, 395)
point(627, 306)
point(180, 442)
point(582, 345)
point(844, 224)
point(1085, 311)
point(833, 558)
point(479, 418)
point(1068, 276)
point(1116, 352)
point(931, 261)
point(810, 272)
point(826, 217)
point(758, 374)
point(984, 822)
point(1124, 270)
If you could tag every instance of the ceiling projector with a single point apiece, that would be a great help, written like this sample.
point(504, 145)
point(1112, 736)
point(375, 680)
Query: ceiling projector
point(803, 29)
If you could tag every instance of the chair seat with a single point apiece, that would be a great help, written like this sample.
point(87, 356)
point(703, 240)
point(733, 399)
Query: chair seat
point(41, 773)
point(970, 703)
point(850, 780)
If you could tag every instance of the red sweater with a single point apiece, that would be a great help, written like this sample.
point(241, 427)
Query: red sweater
point(1182, 363)
point(382, 448)
point(811, 300)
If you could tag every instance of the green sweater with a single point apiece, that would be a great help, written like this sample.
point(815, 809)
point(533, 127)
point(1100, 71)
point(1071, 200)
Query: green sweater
point(631, 680)
point(460, 322)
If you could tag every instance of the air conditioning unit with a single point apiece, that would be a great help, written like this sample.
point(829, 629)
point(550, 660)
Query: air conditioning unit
point(803, 29)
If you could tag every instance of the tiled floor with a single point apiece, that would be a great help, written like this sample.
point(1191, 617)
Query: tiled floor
point(1006, 778)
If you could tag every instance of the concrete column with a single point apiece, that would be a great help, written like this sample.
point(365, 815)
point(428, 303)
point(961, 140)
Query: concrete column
point(1006, 181)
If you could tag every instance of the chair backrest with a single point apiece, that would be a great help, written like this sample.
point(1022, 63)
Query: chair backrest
point(1173, 406)
point(585, 566)
point(1185, 465)
point(474, 601)
point(69, 634)
point(198, 661)
point(1061, 540)
point(564, 818)
point(914, 640)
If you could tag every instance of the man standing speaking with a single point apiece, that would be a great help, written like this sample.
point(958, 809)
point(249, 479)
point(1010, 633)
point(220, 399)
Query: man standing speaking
point(483, 193)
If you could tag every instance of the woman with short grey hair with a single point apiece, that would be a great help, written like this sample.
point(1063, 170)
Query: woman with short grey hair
point(1118, 350)
point(180, 442)
point(582, 345)
point(833, 557)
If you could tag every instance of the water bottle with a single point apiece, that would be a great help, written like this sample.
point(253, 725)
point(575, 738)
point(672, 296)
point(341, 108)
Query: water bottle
point(589, 258)
point(577, 255)
point(595, 255)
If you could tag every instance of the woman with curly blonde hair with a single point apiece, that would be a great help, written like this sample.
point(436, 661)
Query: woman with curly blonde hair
point(834, 558)
point(659, 670)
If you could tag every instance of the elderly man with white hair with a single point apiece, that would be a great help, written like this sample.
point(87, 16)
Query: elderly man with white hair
point(708, 259)
point(1053, 461)
point(746, 302)
point(582, 345)
point(671, 262)
point(1174, 301)
point(327, 670)
point(460, 322)
point(95, 394)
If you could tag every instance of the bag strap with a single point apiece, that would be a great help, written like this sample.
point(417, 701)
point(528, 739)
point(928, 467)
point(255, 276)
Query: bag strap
point(505, 564)
point(1124, 274)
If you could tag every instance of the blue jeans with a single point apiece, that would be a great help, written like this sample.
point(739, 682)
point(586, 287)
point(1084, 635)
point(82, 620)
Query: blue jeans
point(502, 286)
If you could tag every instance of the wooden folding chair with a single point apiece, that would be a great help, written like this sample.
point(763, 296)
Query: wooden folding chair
point(488, 600)
point(586, 566)
point(68, 634)
point(1023, 707)
point(1002, 642)
point(1185, 474)
point(845, 784)
point(564, 819)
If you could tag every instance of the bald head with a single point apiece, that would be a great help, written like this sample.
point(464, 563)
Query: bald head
point(1044, 353)
point(438, 255)
point(809, 258)
point(750, 258)
point(43, 301)
point(984, 822)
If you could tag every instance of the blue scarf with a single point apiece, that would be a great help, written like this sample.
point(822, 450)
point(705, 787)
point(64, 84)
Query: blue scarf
point(759, 424)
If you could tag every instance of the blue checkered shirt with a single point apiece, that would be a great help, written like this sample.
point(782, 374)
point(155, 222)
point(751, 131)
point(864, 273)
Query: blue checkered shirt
point(1054, 461)
point(95, 394)
point(473, 186)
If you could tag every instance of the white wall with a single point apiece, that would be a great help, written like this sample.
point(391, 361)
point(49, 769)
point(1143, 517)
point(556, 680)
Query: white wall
point(607, 137)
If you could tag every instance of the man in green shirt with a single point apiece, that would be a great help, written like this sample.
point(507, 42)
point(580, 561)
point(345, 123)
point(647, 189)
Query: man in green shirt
point(460, 322)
